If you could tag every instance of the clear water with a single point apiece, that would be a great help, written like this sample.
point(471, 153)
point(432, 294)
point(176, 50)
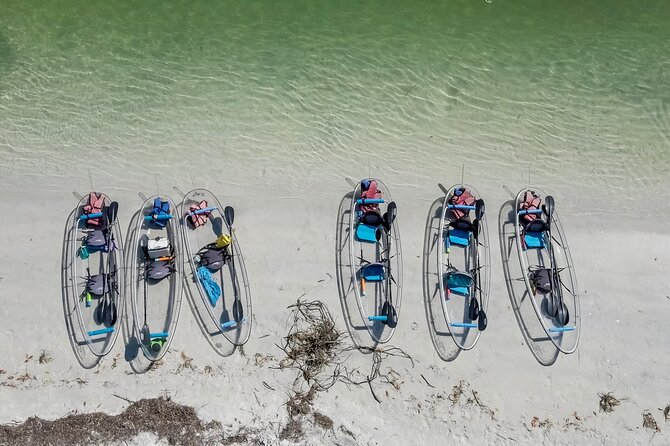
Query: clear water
point(576, 93)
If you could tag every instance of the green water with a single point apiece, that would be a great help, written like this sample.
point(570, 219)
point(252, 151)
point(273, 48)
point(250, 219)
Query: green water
point(577, 92)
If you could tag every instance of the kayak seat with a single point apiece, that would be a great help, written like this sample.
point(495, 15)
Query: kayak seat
point(459, 237)
point(366, 233)
point(533, 235)
point(96, 241)
point(373, 272)
point(96, 284)
point(368, 225)
point(534, 239)
point(459, 282)
point(159, 269)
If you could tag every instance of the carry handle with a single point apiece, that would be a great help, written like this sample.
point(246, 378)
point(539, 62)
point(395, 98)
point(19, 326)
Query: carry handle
point(89, 216)
point(154, 217)
point(530, 211)
point(370, 201)
point(202, 211)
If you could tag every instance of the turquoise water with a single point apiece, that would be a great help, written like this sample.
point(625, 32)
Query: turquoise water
point(577, 92)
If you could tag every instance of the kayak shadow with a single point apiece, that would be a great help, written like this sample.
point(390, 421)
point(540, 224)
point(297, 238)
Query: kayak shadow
point(82, 352)
point(352, 319)
point(544, 351)
point(212, 333)
point(442, 338)
point(133, 350)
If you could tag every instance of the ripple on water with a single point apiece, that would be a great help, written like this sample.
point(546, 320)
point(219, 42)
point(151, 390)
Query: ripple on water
point(574, 95)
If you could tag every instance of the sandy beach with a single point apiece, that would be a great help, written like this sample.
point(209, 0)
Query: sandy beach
point(272, 108)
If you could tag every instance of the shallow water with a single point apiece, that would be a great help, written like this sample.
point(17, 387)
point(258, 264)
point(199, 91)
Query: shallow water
point(575, 94)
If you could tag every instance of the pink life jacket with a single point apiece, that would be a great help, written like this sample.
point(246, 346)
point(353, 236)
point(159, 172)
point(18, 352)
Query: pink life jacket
point(372, 192)
point(95, 204)
point(199, 219)
point(531, 201)
point(465, 199)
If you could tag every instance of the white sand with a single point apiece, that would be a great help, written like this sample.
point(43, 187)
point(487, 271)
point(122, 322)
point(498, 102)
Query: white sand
point(288, 242)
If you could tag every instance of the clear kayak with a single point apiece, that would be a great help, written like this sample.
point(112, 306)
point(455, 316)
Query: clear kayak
point(156, 274)
point(464, 264)
point(549, 275)
point(97, 266)
point(217, 263)
point(375, 258)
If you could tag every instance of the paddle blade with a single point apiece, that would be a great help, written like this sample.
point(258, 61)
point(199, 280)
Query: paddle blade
point(391, 315)
point(229, 215)
point(549, 206)
point(111, 213)
point(483, 321)
point(100, 312)
point(563, 316)
point(238, 311)
point(146, 334)
point(112, 313)
point(389, 216)
point(473, 310)
point(479, 209)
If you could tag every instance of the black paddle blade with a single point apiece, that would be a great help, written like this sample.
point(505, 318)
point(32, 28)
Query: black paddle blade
point(552, 305)
point(111, 312)
point(563, 316)
point(479, 209)
point(473, 311)
point(549, 206)
point(111, 212)
point(391, 315)
point(389, 216)
point(229, 215)
point(475, 228)
point(238, 311)
point(483, 321)
point(99, 314)
point(146, 334)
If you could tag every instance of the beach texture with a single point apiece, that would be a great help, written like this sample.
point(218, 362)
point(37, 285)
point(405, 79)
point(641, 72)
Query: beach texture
point(271, 108)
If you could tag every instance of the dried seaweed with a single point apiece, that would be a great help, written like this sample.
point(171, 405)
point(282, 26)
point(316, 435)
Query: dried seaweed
point(608, 402)
point(175, 423)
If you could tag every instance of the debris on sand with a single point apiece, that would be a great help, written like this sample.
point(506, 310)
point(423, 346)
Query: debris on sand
point(608, 402)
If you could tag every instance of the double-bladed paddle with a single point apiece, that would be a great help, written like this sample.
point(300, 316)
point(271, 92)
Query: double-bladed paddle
point(238, 310)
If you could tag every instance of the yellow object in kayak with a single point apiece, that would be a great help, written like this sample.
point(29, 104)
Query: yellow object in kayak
point(222, 241)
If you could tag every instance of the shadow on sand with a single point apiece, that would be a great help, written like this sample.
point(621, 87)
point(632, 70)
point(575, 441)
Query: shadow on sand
point(81, 350)
point(352, 319)
point(540, 345)
point(442, 339)
point(209, 329)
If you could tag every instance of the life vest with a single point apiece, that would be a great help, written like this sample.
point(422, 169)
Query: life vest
point(95, 204)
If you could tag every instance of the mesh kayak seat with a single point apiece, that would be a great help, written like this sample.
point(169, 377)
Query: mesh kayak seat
point(373, 272)
point(159, 269)
point(541, 281)
point(96, 240)
point(459, 282)
point(96, 284)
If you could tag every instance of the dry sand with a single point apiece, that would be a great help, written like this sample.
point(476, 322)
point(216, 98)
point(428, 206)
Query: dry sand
point(496, 394)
